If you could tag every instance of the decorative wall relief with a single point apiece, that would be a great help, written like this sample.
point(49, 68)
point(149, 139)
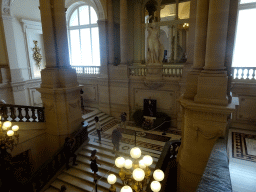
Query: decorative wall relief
point(37, 55)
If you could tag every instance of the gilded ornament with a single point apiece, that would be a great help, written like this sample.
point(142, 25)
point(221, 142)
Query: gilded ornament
point(37, 55)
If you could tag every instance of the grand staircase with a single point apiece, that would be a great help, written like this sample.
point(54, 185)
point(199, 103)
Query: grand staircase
point(80, 178)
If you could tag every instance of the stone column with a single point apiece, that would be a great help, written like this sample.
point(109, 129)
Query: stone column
point(123, 31)
point(102, 24)
point(199, 48)
point(175, 32)
point(170, 51)
point(48, 33)
point(61, 37)
point(137, 33)
point(111, 41)
point(60, 91)
point(192, 26)
point(212, 82)
point(201, 34)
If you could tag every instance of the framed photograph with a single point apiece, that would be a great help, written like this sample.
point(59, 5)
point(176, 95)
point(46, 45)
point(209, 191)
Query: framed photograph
point(149, 107)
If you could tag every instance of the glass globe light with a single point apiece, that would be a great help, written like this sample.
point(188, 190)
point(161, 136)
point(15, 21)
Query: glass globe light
point(111, 179)
point(119, 162)
point(142, 164)
point(15, 128)
point(6, 125)
point(138, 174)
point(147, 160)
point(126, 188)
point(128, 164)
point(158, 175)
point(155, 186)
point(10, 133)
point(135, 152)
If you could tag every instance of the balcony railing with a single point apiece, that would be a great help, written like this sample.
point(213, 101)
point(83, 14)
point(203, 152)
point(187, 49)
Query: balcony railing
point(244, 73)
point(173, 71)
point(168, 70)
point(21, 113)
point(89, 70)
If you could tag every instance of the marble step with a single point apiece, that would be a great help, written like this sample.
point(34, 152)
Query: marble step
point(106, 159)
point(107, 119)
point(102, 181)
point(106, 151)
point(105, 166)
point(70, 187)
point(89, 115)
point(52, 189)
point(91, 119)
point(103, 172)
point(77, 183)
point(83, 181)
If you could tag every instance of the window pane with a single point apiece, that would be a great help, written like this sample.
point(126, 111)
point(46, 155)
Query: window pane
point(95, 46)
point(94, 17)
point(245, 40)
point(75, 47)
point(247, 1)
point(84, 15)
point(74, 19)
point(86, 47)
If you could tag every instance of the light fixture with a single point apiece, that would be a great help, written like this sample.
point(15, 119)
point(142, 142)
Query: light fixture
point(155, 186)
point(6, 135)
point(137, 179)
point(185, 26)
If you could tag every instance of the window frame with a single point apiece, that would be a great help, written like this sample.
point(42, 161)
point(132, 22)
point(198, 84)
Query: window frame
point(79, 27)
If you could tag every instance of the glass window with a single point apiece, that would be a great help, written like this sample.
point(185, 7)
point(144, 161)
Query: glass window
point(245, 40)
point(84, 37)
point(247, 1)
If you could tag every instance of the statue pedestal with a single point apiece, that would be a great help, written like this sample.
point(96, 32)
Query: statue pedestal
point(154, 71)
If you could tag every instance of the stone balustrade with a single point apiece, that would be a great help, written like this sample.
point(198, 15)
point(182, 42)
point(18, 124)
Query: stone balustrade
point(138, 70)
point(243, 73)
point(88, 70)
point(20, 113)
point(168, 70)
point(172, 71)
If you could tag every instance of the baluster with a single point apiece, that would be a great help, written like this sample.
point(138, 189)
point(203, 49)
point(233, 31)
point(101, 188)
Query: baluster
point(20, 114)
point(236, 76)
point(27, 115)
point(253, 73)
point(13, 116)
point(33, 114)
point(4, 116)
point(242, 74)
point(181, 72)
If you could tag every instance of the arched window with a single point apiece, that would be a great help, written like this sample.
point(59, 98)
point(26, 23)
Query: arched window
point(83, 35)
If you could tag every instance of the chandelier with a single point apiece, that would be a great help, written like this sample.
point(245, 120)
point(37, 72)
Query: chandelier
point(7, 131)
point(135, 174)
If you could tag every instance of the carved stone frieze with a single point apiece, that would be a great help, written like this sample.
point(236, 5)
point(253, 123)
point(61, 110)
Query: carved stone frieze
point(6, 2)
point(6, 11)
point(153, 84)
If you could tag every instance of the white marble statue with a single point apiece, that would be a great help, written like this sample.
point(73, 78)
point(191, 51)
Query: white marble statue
point(155, 50)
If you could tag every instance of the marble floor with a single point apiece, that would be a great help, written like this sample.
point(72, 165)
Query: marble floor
point(242, 169)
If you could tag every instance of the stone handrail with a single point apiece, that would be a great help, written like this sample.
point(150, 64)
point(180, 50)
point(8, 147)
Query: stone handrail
point(21, 113)
point(216, 175)
point(167, 163)
point(50, 168)
point(89, 70)
point(168, 70)
point(244, 73)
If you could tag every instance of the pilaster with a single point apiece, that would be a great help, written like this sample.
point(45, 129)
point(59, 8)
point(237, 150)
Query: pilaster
point(123, 31)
